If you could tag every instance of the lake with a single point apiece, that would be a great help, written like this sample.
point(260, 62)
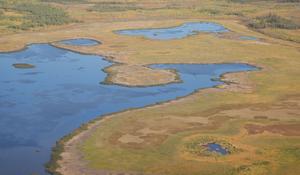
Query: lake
point(62, 90)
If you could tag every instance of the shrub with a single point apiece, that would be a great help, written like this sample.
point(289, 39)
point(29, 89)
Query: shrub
point(272, 21)
point(1, 12)
point(113, 7)
point(287, 1)
point(41, 14)
point(209, 11)
point(235, 13)
point(280, 1)
point(35, 14)
point(65, 1)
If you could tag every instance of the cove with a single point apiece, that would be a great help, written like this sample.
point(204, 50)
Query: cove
point(178, 32)
point(40, 105)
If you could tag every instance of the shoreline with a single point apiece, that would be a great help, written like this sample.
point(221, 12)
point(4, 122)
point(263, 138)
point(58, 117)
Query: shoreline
point(256, 109)
point(113, 62)
point(53, 165)
point(60, 146)
point(65, 146)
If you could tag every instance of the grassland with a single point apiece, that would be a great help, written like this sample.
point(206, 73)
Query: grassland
point(153, 140)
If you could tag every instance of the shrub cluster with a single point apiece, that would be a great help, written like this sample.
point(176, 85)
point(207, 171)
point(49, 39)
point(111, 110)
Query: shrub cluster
point(65, 1)
point(35, 14)
point(41, 15)
point(288, 1)
point(272, 21)
point(1, 13)
point(280, 1)
point(113, 7)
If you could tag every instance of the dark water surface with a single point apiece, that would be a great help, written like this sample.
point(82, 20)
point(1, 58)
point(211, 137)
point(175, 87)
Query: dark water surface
point(178, 32)
point(40, 105)
point(214, 147)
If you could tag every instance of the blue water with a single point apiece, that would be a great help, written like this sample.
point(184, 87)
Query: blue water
point(248, 38)
point(178, 32)
point(80, 42)
point(40, 105)
point(214, 147)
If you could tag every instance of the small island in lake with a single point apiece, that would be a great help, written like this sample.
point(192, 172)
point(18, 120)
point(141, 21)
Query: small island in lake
point(23, 66)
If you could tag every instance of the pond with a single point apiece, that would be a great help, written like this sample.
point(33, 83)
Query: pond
point(177, 32)
point(62, 91)
point(214, 147)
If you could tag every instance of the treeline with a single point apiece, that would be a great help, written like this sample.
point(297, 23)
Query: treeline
point(36, 14)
